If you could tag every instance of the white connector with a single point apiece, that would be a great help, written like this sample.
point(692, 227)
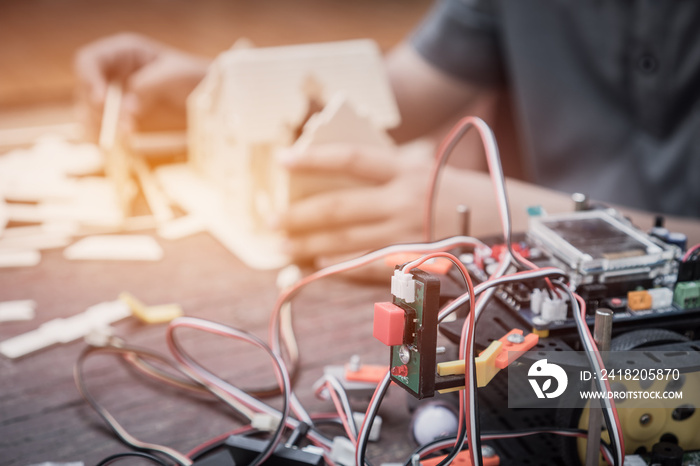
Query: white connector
point(547, 309)
point(536, 298)
point(403, 286)
point(553, 309)
point(342, 452)
point(660, 297)
point(264, 422)
point(634, 460)
point(376, 430)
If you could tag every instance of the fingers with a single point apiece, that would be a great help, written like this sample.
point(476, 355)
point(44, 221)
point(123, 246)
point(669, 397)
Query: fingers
point(91, 75)
point(143, 87)
point(111, 58)
point(371, 163)
point(349, 240)
point(114, 57)
point(334, 209)
point(165, 81)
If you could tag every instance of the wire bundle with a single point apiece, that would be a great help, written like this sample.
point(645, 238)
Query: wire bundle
point(195, 378)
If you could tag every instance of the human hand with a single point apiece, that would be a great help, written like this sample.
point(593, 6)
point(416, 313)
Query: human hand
point(156, 80)
point(336, 225)
point(386, 208)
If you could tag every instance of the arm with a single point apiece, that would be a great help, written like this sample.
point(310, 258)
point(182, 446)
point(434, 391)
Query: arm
point(427, 97)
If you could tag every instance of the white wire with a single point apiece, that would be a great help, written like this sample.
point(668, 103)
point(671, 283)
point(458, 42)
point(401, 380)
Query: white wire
point(481, 287)
point(442, 245)
point(344, 400)
point(449, 441)
point(445, 244)
point(196, 371)
point(488, 288)
point(205, 377)
point(370, 414)
point(591, 352)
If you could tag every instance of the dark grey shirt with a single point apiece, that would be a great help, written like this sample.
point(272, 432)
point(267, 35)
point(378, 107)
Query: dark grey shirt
point(606, 92)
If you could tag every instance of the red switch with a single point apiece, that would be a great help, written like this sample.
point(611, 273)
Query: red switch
point(389, 323)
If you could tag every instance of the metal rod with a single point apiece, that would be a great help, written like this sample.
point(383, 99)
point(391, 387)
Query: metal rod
point(602, 331)
point(464, 219)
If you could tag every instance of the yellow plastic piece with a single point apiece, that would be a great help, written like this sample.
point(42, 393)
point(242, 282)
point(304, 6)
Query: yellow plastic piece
point(543, 333)
point(639, 300)
point(451, 367)
point(485, 366)
point(159, 314)
point(450, 390)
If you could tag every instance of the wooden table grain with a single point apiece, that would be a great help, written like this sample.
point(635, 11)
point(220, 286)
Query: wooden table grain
point(43, 418)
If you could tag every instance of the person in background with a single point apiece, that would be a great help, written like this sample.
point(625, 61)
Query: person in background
point(603, 96)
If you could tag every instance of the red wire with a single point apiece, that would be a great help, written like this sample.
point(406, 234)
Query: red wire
point(440, 157)
point(339, 408)
point(690, 252)
point(509, 436)
point(464, 410)
point(287, 294)
point(530, 264)
point(217, 439)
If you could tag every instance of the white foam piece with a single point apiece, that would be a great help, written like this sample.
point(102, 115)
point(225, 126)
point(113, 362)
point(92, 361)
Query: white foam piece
point(4, 217)
point(34, 241)
point(181, 227)
point(115, 247)
point(65, 330)
point(24, 309)
point(16, 258)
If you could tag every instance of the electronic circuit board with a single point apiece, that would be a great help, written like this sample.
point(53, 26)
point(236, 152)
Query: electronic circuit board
point(411, 366)
point(611, 264)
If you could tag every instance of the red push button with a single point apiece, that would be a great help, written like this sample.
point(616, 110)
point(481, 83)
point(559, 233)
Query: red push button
point(389, 322)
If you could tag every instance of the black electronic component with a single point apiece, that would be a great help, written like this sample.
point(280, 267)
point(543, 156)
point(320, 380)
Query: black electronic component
point(240, 450)
point(220, 458)
point(667, 454)
point(689, 270)
point(413, 364)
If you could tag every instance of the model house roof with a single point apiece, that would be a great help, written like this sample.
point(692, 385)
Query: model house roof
point(264, 93)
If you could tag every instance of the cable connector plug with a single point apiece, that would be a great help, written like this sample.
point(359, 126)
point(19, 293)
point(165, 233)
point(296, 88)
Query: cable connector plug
point(403, 286)
point(375, 431)
point(342, 452)
point(264, 422)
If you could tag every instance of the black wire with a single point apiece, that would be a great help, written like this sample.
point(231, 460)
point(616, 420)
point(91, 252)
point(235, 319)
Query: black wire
point(551, 293)
point(609, 422)
point(262, 345)
point(523, 432)
point(448, 151)
point(139, 454)
point(140, 366)
point(457, 447)
point(370, 422)
point(122, 351)
point(274, 390)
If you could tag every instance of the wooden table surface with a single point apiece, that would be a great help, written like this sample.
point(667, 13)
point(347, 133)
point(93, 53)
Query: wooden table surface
point(43, 418)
